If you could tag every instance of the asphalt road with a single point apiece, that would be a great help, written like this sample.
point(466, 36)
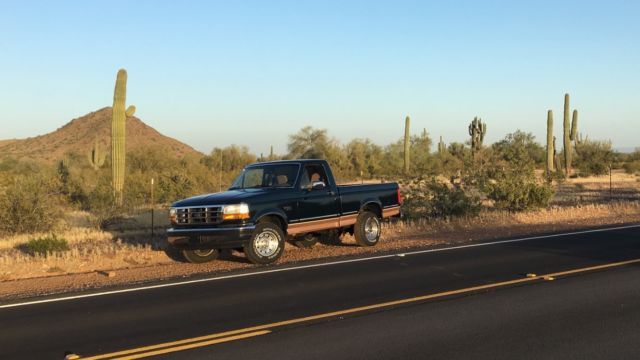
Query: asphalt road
point(472, 302)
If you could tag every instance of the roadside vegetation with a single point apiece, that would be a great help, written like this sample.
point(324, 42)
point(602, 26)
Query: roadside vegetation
point(90, 209)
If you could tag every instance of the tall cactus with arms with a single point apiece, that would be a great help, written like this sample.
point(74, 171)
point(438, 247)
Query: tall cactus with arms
point(477, 131)
point(118, 126)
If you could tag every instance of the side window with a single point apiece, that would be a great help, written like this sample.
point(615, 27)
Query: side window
point(311, 174)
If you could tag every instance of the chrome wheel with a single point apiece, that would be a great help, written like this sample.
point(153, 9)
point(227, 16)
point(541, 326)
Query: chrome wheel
point(372, 228)
point(204, 253)
point(266, 244)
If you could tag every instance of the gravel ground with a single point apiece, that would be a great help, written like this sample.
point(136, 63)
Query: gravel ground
point(397, 237)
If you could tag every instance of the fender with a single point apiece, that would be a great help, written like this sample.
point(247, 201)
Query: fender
point(372, 202)
point(273, 212)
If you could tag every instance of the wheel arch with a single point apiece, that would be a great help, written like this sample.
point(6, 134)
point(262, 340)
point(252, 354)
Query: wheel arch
point(274, 216)
point(372, 205)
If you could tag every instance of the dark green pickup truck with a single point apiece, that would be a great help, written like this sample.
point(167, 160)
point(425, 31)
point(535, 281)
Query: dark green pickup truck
point(272, 200)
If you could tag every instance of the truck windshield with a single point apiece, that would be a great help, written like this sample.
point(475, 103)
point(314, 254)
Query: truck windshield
point(269, 176)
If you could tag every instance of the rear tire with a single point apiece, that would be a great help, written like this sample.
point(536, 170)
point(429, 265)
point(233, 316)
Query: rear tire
point(200, 256)
point(266, 244)
point(367, 229)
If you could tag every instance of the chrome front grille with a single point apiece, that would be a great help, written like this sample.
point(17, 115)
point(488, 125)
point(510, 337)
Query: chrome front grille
point(199, 215)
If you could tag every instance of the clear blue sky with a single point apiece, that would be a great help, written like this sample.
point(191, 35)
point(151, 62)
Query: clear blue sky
point(216, 73)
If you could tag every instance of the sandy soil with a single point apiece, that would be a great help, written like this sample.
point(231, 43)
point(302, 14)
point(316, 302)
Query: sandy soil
point(397, 237)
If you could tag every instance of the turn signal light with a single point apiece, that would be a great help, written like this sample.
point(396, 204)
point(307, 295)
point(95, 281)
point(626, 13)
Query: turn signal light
point(235, 216)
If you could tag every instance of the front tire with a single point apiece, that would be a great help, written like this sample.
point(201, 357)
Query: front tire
point(266, 244)
point(200, 256)
point(367, 229)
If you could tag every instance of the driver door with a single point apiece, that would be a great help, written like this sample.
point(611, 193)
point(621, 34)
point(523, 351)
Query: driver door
point(320, 206)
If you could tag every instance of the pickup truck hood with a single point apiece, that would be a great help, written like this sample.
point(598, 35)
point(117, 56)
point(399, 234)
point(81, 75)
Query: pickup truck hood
point(221, 198)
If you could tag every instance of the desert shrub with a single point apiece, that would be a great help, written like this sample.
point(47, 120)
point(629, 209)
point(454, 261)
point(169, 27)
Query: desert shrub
point(44, 245)
point(557, 176)
point(632, 167)
point(509, 179)
point(593, 157)
point(29, 205)
point(99, 202)
point(515, 191)
point(459, 151)
point(448, 164)
point(448, 202)
point(520, 148)
point(69, 185)
point(433, 199)
point(364, 159)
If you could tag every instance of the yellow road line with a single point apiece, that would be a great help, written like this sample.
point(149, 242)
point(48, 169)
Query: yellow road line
point(193, 345)
point(217, 336)
point(165, 345)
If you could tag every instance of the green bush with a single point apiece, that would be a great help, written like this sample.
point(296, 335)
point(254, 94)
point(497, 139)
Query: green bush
point(520, 148)
point(518, 192)
point(433, 199)
point(29, 205)
point(593, 157)
point(452, 202)
point(632, 167)
point(45, 245)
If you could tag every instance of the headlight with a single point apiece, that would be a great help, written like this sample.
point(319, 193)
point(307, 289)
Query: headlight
point(235, 212)
point(173, 216)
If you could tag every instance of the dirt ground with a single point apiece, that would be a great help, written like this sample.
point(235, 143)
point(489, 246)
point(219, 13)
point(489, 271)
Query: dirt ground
point(598, 189)
point(96, 260)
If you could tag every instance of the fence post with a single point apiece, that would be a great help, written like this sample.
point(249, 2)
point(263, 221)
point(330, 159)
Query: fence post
point(610, 184)
point(220, 174)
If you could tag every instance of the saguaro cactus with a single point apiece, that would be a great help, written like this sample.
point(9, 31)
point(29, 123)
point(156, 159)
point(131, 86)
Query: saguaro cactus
point(407, 145)
point(442, 148)
point(118, 126)
point(271, 153)
point(96, 156)
point(550, 143)
point(569, 134)
point(477, 131)
point(556, 161)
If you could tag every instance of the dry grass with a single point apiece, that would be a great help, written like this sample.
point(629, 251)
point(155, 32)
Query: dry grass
point(505, 223)
point(595, 189)
point(74, 236)
point(93, 250)
point(90, 250)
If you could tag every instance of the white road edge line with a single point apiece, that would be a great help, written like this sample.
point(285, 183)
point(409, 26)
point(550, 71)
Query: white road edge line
point(150, 287)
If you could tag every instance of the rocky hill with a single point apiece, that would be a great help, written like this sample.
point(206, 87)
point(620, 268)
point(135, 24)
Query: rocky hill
point(79, 136)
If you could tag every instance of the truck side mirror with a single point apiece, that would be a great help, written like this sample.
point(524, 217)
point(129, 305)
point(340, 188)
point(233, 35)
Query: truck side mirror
point(318, 185)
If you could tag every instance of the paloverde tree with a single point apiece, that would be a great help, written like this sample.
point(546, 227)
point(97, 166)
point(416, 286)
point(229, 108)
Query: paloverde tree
point(364, 157)
point(309, 143)
point(520, 149)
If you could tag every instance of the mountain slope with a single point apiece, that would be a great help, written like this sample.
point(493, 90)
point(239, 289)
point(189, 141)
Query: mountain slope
point(80, 134)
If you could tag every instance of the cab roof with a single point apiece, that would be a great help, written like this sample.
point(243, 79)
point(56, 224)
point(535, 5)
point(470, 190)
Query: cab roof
point(294, 161)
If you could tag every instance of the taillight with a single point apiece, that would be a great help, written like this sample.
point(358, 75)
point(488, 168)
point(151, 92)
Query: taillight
point(399, 197)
